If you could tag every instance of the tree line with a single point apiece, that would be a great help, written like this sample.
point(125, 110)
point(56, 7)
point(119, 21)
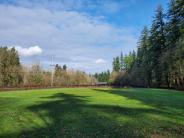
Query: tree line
point(68, 77)
point(159, 60)
point(103, 76)
point(13, 73)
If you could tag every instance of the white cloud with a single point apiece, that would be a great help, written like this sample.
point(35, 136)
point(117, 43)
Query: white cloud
point(31, 51)
point(100, 61)
point(98, 5)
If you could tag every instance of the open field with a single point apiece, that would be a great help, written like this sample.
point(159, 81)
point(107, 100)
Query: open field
point(87, 112)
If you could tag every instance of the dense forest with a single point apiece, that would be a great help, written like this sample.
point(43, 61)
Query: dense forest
point(159, 60)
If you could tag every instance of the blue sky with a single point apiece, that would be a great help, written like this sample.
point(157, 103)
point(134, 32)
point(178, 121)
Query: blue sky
point(84, 34)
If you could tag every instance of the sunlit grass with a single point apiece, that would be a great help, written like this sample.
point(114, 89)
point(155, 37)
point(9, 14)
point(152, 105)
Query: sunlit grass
point(89, 112)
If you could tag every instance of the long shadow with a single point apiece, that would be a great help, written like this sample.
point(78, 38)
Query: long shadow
point(161, 99)
point(68, 115)
point(166, 103)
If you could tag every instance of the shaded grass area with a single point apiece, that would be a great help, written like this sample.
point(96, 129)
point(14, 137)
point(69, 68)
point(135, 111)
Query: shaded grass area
point(85, 112)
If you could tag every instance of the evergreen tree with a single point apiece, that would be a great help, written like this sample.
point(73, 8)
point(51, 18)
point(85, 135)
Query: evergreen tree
point(175, 27)
point(103, 76)
point(10, 67)
point(157, 40)
point(179, 63)
point(64, 67)
point(116, 64)
point(122, 62)
point(143, 62)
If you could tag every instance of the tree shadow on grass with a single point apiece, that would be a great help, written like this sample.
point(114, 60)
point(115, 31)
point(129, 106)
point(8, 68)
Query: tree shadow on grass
point(159, 98)
point(166, 104)
point(72, 116)
point(167, 101)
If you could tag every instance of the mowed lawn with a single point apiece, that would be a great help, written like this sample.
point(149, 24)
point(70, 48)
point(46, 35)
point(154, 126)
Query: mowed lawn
point(92, 112)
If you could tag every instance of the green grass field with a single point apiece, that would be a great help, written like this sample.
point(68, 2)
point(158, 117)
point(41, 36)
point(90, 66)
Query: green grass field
point(90, 112)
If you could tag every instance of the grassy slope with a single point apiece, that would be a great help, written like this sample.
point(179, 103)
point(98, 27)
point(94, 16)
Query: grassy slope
point(84, 112)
